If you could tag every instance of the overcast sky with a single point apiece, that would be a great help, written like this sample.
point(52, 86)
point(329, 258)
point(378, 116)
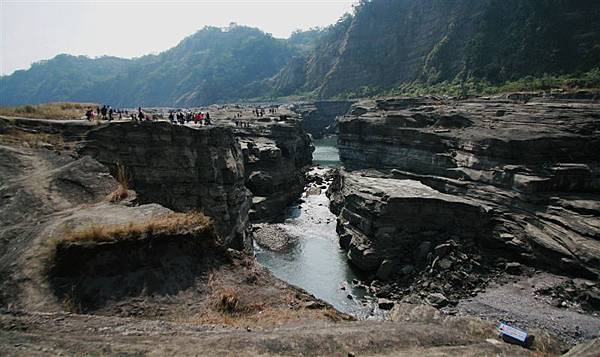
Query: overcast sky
point(36, 29)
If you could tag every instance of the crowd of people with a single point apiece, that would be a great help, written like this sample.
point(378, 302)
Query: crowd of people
point(106, 112)
point(260, 112)
point(181, 117)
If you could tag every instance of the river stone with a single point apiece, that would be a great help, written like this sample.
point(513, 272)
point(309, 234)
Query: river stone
point(437, 300)
point(273, 237)
point(444, 264)
point(407, 269)
point(385, 304)
point(422, 252)
point(313, 191)
point(443, 249)
point(513, 268)
point(385, 270)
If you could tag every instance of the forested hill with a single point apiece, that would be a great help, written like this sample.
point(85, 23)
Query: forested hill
point(394, 43)
point(384, 45)
point(210, 66)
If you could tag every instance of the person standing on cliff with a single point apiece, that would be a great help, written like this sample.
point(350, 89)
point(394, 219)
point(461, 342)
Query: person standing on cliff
point(103, 111)
point(141, 115)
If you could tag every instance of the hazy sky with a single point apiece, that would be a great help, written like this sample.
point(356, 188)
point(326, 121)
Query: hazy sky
point(40, 29)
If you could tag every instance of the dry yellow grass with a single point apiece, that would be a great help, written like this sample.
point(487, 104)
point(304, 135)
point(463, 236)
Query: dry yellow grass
point(227, 300)
point(17, 137)
point(122, 191)
point(58, 110)
point(172, 223)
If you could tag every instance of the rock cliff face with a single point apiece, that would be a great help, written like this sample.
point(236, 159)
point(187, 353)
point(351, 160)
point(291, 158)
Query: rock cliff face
point(318, 118)
point(274, 155)
point(390, 42)
point(522, 178)
point(180, 168)
point(208, 169)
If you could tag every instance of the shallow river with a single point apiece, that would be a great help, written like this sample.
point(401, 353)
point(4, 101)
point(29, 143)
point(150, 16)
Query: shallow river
point(316, 263)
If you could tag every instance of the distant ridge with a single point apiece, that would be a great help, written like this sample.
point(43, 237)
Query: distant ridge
point(385, 45)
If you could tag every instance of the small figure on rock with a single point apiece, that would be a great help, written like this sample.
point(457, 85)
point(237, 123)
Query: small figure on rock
point(141, 115)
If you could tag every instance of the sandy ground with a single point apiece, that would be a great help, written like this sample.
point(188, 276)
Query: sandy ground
point(517, 302)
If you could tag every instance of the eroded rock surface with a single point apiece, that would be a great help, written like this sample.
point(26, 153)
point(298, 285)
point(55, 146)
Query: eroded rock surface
point(319, 117)
point(385, 218)
point(275, 154)
point(522, 177)
point(66, 247)
point(180, 168)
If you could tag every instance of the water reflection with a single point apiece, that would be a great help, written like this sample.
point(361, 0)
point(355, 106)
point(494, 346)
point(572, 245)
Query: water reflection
point(326, 152)
point(316, 263)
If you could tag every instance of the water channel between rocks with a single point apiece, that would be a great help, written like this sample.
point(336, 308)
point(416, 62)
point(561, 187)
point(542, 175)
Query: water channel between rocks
point(316, 262)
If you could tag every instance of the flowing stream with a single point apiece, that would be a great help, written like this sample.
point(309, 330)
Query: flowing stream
point(317, 263)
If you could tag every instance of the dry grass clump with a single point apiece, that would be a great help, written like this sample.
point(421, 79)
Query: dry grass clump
point(17, 137)
point(57, 110)
point(227, 300)
point(122, 191)
point(171, 223)
point(72, 304)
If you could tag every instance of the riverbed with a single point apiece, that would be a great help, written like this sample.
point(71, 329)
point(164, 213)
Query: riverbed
point(315, 262)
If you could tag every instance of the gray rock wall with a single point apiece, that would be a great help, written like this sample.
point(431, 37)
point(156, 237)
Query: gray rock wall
point(275, 154)
point(318, 118)
point(532, 168)
point(181, 168)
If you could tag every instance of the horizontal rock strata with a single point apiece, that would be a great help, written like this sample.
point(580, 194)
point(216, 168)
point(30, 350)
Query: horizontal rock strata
point(522, 177)
point(319, 117)
point(181, 168)
point(275, 154)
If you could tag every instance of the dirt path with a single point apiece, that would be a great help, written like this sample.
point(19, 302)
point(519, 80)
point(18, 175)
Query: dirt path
point(42, 334)
point(518, 303)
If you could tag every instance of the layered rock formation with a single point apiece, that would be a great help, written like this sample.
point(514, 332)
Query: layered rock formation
point(68, 247)
point(523, 178)
point(180, 168)
point(274, 155)
point(318, 118)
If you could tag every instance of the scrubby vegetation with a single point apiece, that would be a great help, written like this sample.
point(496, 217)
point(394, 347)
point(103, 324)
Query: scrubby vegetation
point(473, 87)
point(227, 300)
point(58, 110)
point(12, 136)
point(172, 223)
point(122, 191)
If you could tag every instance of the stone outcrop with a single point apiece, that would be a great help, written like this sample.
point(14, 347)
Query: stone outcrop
point(523, 178)
point(318, 118)
point(66, 245)
point(200, 168)
point(180, 168)
point(275, 153)
point(383, 218)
